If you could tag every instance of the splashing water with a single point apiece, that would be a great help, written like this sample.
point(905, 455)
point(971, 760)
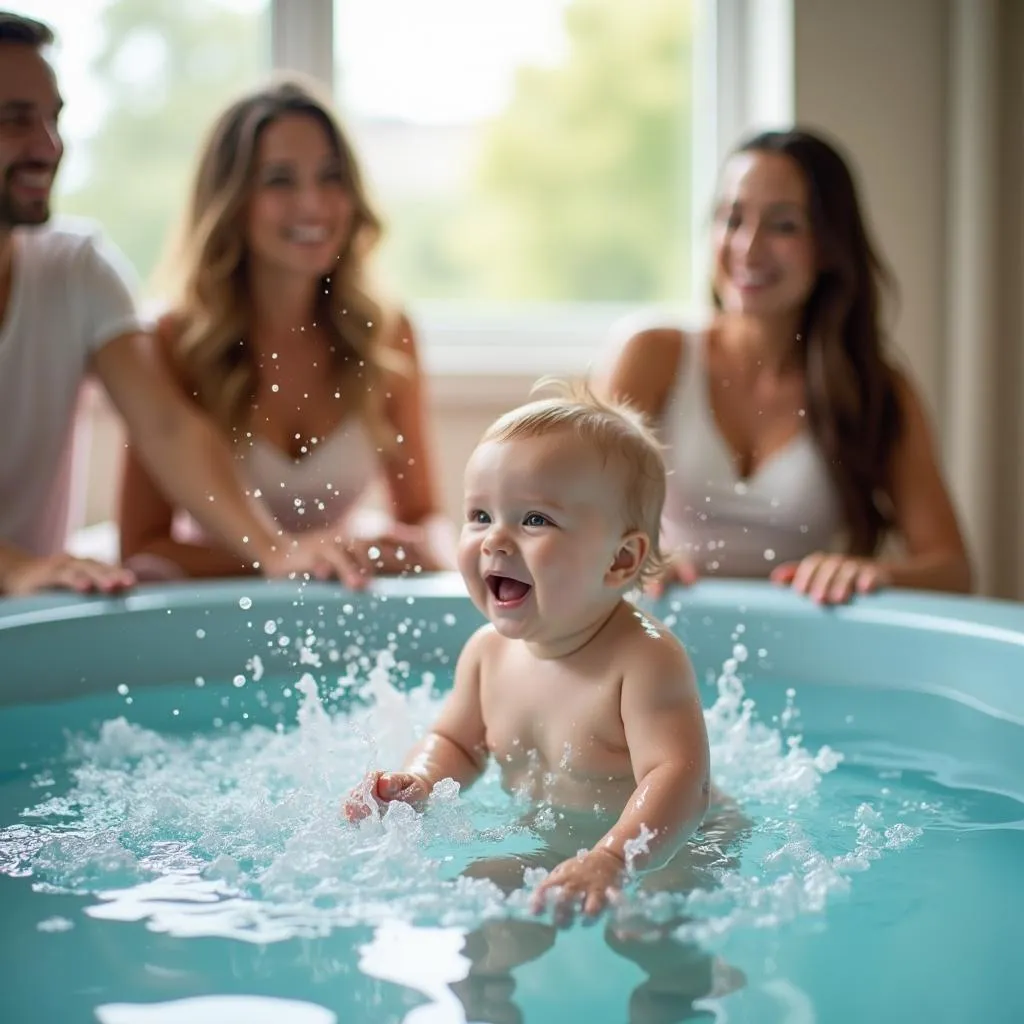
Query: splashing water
point(237, 833)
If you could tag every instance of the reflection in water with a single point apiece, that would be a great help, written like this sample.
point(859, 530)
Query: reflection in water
point(216, 1010)
point(428, 960)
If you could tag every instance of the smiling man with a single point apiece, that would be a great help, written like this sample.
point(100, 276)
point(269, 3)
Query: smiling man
point(66, 310)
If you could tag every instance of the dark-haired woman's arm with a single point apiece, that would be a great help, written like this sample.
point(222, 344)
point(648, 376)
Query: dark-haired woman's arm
point(934, 553)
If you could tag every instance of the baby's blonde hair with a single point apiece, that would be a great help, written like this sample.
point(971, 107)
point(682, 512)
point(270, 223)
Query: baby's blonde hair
point(615, 431)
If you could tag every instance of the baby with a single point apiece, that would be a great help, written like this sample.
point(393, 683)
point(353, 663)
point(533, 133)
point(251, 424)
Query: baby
point(587, 704)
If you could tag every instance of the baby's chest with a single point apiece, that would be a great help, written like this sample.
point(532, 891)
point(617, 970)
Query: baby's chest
point(567, 729)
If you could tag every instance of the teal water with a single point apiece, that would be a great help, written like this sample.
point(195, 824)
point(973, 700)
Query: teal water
point(176, 854)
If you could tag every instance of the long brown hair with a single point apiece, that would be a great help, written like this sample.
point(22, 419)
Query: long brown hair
point(852, 405)
point(207, 266)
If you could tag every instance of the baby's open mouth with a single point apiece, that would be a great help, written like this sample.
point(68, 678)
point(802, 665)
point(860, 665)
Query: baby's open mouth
point(506, 589)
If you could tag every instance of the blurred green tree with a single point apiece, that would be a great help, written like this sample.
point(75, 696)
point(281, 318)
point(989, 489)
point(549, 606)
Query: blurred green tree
point(582, 189)
point(165, 68)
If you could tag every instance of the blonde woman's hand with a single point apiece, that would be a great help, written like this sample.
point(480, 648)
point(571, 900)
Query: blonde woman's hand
point(401, 550)
point(678, 569)
point(832, 579)
point(65, 572)
point(319, 554)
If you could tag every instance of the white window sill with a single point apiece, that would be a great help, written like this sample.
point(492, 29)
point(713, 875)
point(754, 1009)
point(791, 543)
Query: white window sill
point(526, 341)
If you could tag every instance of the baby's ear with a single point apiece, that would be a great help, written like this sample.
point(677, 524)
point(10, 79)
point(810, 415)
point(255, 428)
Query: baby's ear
point(629, 560)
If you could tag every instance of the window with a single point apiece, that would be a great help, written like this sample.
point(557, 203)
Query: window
point(141, 81)
point(542, 166)
point(532, 161)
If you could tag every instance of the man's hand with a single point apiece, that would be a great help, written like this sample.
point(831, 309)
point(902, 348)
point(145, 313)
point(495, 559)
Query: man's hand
point(64, 572)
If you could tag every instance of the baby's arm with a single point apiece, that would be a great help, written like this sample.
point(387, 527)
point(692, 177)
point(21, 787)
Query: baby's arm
point(668, 748)
point(455, 748)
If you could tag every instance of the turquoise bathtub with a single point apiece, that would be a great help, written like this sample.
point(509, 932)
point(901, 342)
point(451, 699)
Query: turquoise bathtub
point(937, 679)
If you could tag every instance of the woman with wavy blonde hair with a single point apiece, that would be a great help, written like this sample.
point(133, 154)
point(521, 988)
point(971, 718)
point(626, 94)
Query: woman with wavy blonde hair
point(273, 330)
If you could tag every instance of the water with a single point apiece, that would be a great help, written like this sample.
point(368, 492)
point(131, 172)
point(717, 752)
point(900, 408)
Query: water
point(178, 855)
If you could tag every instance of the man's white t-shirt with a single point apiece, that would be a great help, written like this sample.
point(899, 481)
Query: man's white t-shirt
point(71, 293)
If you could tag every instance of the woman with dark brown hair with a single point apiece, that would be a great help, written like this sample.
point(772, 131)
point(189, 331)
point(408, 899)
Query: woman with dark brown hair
point(796, 446)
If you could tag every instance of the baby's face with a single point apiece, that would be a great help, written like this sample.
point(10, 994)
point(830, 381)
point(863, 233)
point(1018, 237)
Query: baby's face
point(542, 530)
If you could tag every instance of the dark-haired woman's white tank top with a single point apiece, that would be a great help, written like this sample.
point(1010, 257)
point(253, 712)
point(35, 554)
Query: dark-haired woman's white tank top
point(726, 524)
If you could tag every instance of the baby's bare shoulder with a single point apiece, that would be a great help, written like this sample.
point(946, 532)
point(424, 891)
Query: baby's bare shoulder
point(486, 647)
point(651, 654)
point(483, 641)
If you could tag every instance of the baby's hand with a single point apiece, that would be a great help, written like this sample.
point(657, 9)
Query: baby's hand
point(583, 883)
point(383, 787)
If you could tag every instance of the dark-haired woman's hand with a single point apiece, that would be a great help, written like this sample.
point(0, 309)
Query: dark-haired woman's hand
point(678, 569)
point(832, 579)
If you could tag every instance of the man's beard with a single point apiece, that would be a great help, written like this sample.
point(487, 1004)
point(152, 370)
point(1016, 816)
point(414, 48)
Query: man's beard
point(16, 214)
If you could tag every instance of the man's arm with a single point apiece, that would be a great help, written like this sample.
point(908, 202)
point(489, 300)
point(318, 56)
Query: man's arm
point(192, 462)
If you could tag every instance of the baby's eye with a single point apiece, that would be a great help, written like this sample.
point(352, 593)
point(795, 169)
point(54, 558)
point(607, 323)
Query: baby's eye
point(477, 515)
point(536, 519)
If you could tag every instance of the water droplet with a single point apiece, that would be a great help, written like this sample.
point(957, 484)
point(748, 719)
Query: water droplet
point(239, 681)
point(123, 689)
point(245, 603)
point(200, 633)
point(449, 619)
point(769, 555)
point(270, 627)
